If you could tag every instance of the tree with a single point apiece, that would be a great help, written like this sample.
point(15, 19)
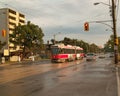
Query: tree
point(53, 41)
point(109, 46)
point(27, 36)
point(94, 48)
point(2, 44)
point(86, 46)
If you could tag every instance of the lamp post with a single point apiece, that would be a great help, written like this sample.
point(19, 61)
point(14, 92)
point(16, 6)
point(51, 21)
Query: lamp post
point(113, 28)
point(101, 3)
point(55, 36)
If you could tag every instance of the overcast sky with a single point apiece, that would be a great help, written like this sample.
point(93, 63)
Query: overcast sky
point(65, 18)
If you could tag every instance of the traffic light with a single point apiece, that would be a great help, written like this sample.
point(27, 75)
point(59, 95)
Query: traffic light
point(116, 41)
point(86, 26)
point(4, 33)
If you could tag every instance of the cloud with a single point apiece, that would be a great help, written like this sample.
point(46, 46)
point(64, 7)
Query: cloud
point(67, 17)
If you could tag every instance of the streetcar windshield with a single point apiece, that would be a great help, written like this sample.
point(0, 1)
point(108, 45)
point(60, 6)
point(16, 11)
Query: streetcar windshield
point(55, 50)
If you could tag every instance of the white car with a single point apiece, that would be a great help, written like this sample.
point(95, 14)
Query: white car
point(101, 56)
point(90, 56)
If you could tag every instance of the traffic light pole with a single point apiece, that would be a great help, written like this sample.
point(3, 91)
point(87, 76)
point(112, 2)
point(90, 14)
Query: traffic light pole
point(115, 33)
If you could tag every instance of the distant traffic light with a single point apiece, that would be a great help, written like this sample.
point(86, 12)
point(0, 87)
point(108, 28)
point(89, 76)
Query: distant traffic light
point(116, 41)
point(86, 26)
point(4, 33)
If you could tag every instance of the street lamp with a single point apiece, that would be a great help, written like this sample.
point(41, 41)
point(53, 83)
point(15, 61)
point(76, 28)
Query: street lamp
point(55, 36)
point(101, 3)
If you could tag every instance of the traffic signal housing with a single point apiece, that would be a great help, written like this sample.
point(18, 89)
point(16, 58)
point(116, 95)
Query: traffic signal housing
point(116, 41)
point(4, 33)
point(86, 26)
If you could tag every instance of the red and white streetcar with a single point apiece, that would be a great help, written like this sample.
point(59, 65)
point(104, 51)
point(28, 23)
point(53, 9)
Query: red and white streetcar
point(62, 53)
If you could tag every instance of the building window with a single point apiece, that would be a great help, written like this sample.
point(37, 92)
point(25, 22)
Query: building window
point(21, 21)
point(11, 11)
point(11, 17)
point(21, 15)
point(11, 29)
point(11, 23)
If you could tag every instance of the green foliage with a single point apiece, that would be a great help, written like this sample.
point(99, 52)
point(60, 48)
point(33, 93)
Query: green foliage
point(2, 44)
point(27, 36)
point(86, 46)
point(109, 46)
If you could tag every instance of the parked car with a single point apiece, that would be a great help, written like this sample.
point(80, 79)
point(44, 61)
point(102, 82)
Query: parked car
point(90, 56)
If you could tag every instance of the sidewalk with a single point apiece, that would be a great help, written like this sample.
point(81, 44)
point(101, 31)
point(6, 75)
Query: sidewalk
point(116, 69)
point(21, 62)
point(118, 77)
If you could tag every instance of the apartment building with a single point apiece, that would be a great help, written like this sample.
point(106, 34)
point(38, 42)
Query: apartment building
point(8, 19)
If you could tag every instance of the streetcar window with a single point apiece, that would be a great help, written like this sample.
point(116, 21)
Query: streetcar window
point(70, 51)
point(62, 51)
point(56, 50)
point(65, 51)
point(79, 51)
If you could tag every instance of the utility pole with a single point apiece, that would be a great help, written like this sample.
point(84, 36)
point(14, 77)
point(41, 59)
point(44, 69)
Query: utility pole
point(55, 37)
point(113, 28)
point(115, 33)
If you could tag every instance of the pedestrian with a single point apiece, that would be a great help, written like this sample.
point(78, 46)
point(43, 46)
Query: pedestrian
point(19, 58)
point(33, 58)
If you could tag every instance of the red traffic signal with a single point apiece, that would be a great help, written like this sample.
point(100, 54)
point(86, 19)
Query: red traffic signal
point(4, 33)
point(86, 26)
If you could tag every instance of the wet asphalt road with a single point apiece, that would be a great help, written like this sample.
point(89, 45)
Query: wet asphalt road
point(78, 78)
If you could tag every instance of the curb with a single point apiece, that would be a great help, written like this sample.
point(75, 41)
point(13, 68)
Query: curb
point(118, 80)
point(22, 62)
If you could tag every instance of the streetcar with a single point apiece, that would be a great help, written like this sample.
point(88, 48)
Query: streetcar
point(62, 53)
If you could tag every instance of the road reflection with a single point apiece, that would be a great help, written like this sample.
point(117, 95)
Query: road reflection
point(40, 76)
